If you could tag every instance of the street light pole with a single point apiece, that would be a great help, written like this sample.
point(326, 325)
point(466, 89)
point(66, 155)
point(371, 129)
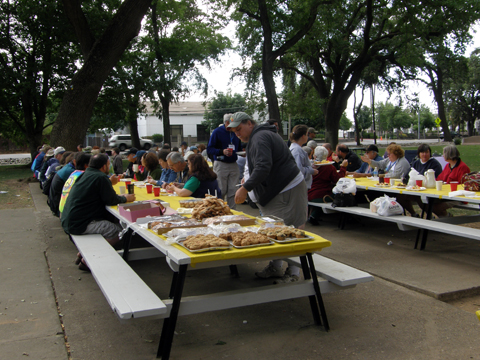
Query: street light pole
point(419, 122)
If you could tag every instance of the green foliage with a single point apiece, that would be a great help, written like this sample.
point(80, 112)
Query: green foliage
point(345, 123)
point(390, 117)
point(157, 138)
point(36, 63)
point(220, 105)
point(364, 118)
point(457, 141)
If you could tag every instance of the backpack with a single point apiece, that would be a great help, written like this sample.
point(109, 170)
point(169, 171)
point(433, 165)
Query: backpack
point(471, 181)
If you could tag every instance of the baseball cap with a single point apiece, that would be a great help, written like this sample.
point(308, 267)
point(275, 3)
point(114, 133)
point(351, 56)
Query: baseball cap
point(193, 148)
point(312, 130)
point(183, 143)
point(59, 150)
point(372, 148)
point(50, 153)
point(237, 118)
point(87, 149)
point(140, 154)
point(132, 151)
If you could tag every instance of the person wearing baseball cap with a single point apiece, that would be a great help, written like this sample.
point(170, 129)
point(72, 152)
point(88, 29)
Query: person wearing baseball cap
point(132, 159)
point(366, 170)
point(276, 181)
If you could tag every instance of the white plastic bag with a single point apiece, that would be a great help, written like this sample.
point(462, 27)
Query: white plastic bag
point(389, 206)
point(345, 186)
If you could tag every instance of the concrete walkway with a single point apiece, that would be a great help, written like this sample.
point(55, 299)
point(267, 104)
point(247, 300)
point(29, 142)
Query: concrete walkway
point(398, 316)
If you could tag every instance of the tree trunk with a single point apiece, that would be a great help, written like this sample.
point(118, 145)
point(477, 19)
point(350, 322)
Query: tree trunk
point(336, 105)
point(166, 120)
point(269, 85)
point(77, 106)
point(132, 120)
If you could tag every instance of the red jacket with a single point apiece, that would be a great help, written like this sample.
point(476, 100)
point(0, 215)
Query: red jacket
point(448, 175)
point(324, 181)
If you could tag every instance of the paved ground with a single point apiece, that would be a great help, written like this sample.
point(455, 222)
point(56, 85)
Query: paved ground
point(51, 310)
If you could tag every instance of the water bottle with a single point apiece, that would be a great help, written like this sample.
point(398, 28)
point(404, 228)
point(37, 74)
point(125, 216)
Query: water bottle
point(375, 172)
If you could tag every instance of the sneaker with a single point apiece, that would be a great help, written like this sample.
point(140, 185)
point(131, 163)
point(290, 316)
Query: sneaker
point(287, 278)
point(270, 271)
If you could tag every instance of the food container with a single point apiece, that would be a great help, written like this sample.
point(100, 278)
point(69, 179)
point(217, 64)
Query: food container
point(270, 219)
point(230, 219)
point(134, 211)
point(167, 223)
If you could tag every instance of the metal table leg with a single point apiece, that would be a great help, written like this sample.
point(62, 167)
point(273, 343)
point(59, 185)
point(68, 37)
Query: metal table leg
point(169, 323)
point(127, 240)
point(316, 286)
point(425, 231)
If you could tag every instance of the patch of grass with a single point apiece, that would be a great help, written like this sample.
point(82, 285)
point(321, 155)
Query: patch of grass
point(468, 154)
point(10, 172)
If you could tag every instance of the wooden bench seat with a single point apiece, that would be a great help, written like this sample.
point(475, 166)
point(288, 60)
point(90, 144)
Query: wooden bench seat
point(335, 272)
point(406, 223)
point(128, 295)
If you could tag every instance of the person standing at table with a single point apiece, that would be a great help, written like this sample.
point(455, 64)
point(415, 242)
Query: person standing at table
point(85, 212)
point(299, 136)
point(223, 146)
point(276, 181)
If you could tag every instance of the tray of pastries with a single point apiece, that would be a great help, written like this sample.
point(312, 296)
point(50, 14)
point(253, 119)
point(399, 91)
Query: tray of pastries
point(209, 207)
point(202, 243)
point(285, 234)
point(229, 219)
point(247, 239)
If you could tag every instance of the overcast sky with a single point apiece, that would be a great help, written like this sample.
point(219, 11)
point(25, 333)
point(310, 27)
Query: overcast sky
point(219, 80)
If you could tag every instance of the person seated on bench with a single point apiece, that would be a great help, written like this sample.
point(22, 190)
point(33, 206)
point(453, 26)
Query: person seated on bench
point(344, 153)
point(367, 170)
point(323, 182)
point(79, 162)
point(202, 180)
point(85, 212)
point(425, 162)
point(396, 164)
point(453, 171)
point(179, 165)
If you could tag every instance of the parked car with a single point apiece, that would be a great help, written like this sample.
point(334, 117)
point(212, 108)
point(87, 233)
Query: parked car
point(125, 141)
point(454, 134)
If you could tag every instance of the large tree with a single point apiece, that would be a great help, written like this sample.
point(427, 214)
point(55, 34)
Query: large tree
point(180, 37)
point(267, 30)
point(220, 105)
point(353, 36)
point(100, 53)
point(36, 60)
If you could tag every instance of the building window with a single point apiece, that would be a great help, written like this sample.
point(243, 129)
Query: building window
point(175, 132)
point(202, 133)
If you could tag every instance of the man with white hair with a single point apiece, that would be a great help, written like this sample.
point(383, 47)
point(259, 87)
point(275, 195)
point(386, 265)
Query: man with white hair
point(178, 164)
point(223, 146)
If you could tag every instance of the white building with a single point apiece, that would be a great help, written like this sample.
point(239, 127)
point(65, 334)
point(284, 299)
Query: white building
point(185, 121)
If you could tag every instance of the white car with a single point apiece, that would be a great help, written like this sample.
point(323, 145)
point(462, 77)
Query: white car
point(125, 141)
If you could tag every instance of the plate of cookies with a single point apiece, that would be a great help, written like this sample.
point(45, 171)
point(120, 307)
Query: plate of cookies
point(202, 243)
point(246, 239)
point(285, 234)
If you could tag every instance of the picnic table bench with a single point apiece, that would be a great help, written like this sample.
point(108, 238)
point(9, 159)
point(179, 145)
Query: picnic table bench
point(128, 295)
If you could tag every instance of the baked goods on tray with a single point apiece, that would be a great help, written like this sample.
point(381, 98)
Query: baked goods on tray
point(200, 242)
point(246, 238)
point(166, 223)
point(210, 206)
point(282, 233)
point(239, 219)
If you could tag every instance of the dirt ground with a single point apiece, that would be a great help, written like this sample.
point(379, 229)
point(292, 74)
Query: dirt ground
point(17, 194)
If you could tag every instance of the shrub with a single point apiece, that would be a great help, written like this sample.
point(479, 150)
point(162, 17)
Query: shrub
point(157, 138)
point(457, 141)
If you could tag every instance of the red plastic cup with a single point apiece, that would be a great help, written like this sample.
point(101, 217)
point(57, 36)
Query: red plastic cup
point(453, 185)
point(127, 183)
point(156, 190)
point(387, 180)
point(419, 183)
point(149, 188)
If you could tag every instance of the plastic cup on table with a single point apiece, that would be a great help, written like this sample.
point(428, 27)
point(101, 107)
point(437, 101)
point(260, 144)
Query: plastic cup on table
point(438, 185)
point(135, 167)
point(127, 182)
point(419, 183)
point(156, 190)
point(131, 188)
point(453, 185)
point(381, 178)
point(122, 190)
point(149, 188)
point(387, 180)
